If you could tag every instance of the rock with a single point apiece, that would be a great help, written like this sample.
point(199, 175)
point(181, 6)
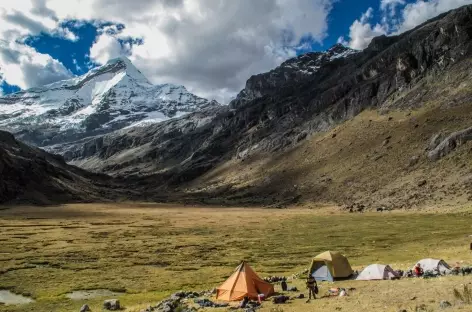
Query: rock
point(435, 140)
point(450, 143)
point(111, 304)
point(413, 160)
point(85, 308)
point(445, 304)
point(421, 182)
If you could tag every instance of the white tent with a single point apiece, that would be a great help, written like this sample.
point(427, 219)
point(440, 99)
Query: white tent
point(433, 265)
point(377, 272)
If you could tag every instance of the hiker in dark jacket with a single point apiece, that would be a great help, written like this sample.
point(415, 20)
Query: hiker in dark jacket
point(283, 284)
point(311, 285)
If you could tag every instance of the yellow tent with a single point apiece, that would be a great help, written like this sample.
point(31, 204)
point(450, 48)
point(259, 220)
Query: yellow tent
point(244, 282)
point(330, 265)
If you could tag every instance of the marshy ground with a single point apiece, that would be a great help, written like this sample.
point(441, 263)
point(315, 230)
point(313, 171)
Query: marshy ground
point(147, 251)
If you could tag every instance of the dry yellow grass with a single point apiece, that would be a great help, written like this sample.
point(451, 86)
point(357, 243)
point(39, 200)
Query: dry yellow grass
point(149, 250)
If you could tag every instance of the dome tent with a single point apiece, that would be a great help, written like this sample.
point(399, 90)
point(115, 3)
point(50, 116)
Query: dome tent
point(377, 272)
point(243, 282)
point(433, 265)
point(329, 266)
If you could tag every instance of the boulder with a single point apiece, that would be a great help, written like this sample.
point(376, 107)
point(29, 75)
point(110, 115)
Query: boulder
point(85, 308)
point(413, 161)
point(421, 182)
point(111, 304)
point(450, 143)
point(445, 304)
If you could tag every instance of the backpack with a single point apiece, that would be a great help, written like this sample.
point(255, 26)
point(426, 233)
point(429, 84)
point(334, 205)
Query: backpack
point(316, 289)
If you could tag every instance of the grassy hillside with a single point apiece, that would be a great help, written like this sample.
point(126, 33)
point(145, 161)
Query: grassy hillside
point(378, 159)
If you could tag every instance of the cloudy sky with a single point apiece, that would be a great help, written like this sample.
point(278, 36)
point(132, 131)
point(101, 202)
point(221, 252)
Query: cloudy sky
point(210, 46)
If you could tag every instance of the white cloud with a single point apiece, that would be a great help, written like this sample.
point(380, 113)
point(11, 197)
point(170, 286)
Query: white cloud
point(19, 64)
point(419, 12)
point(104, 48)
point(22, 66)
point(77, 67)
point(65, 33)
point(391, 5)
point(362, 31)
point(210, 46)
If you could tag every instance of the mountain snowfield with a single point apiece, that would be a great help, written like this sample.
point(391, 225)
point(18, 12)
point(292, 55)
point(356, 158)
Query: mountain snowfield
point(111, 97)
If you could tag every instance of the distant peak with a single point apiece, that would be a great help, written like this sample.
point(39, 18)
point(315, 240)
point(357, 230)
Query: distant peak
point(119, 59)
point(131, 70)
point(338, 47)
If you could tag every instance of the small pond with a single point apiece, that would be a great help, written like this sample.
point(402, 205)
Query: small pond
point(93, 293)
point(7, 297)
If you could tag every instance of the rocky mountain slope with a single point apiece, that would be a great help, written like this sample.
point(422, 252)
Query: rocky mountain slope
point(30, 175)
point(113, 96)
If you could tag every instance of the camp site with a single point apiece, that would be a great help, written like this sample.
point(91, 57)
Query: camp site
point(167, 258)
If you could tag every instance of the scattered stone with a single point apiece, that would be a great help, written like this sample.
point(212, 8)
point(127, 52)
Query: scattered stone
point(300, 296)
point(445, 304)
point(421, 182)
point(385, 142)
point(377, 157)
point(207, 303)
point(390, 118)
point(413, 160)
point(85, 308)
point(111, 304)
point(275, 279)
point(333, 135)
point(402, 310)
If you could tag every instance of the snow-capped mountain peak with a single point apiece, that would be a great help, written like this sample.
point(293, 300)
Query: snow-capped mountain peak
point(110, 97)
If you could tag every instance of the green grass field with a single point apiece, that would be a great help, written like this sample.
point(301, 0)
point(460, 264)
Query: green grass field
point(150, 251)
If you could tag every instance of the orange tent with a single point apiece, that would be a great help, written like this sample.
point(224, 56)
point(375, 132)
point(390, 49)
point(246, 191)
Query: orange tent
point(244, 282)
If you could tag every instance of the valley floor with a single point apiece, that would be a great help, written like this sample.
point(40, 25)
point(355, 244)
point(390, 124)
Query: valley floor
point(148, 251)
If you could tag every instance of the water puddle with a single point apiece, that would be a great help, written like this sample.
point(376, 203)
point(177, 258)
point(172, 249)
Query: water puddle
point(94, 293)
point(7, 297)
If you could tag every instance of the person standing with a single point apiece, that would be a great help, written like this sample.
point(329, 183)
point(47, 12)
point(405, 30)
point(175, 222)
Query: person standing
point(311, 285)
point(283, 284)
